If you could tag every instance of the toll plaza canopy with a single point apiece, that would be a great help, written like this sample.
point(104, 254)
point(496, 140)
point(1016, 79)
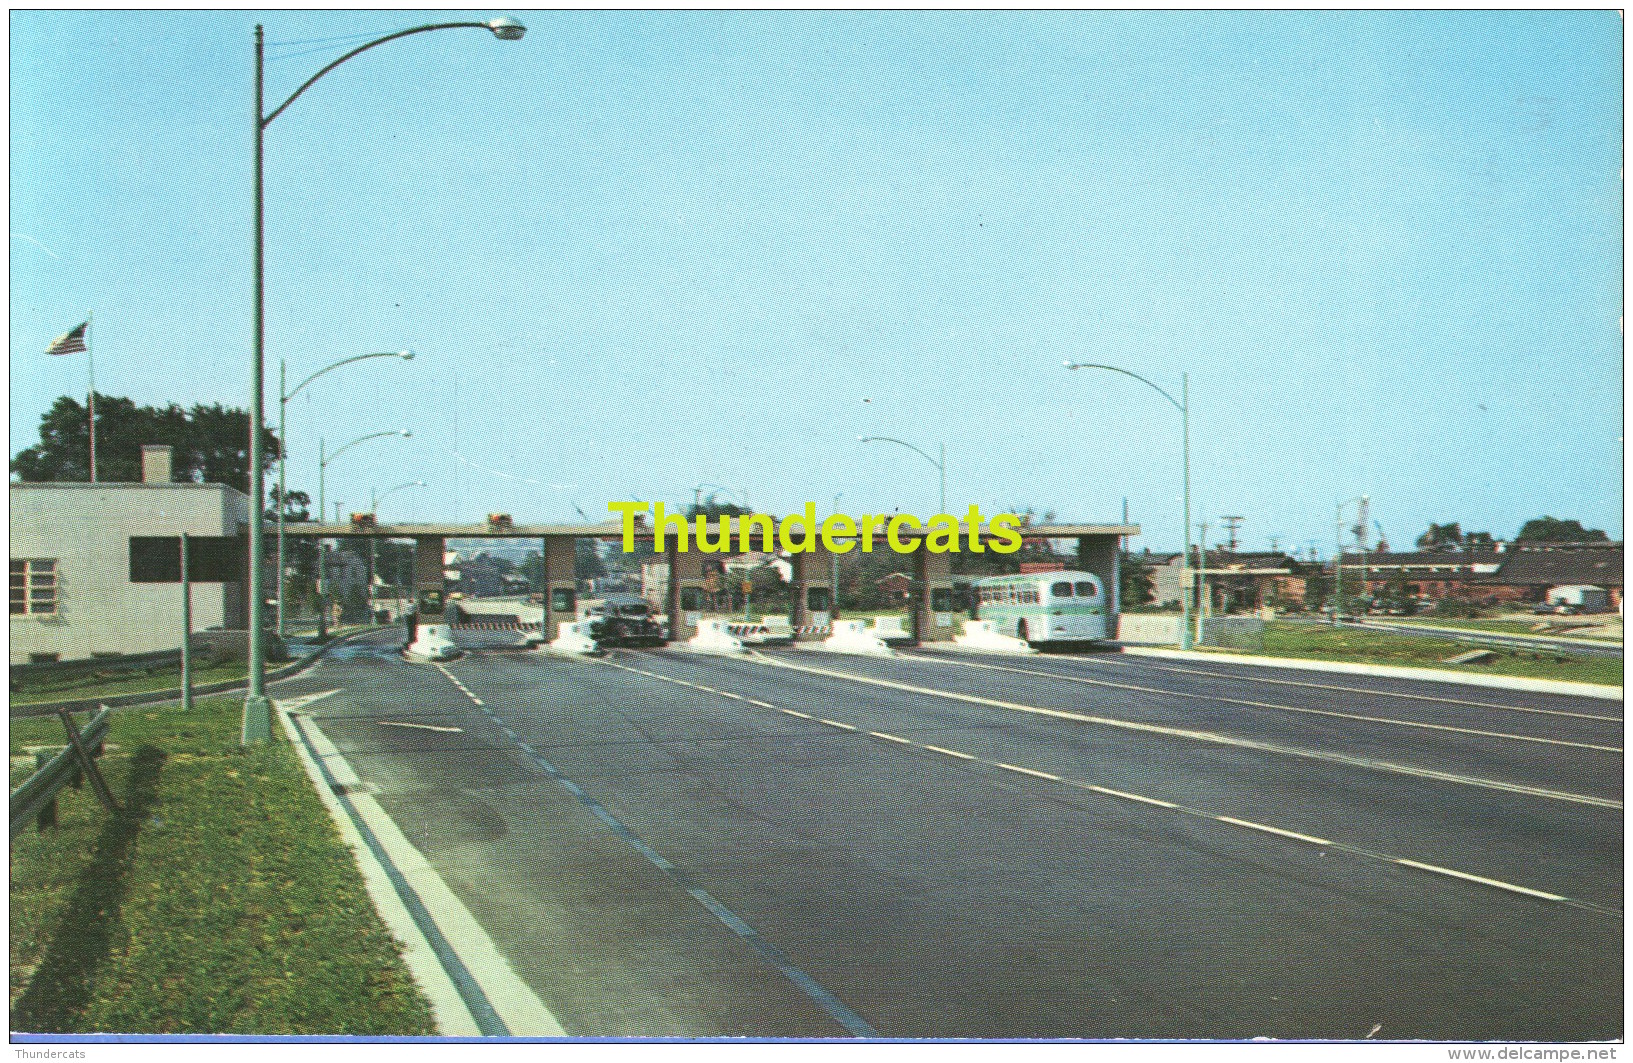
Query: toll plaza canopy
point(931, 608)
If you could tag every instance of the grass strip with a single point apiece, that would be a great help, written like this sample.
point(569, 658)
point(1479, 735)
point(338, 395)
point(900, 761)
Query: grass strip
point(1358, 646)
point(219, 900)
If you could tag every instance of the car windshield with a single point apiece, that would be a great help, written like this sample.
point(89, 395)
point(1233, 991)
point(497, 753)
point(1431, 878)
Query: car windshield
point(1061, 590)
point(1085, 589)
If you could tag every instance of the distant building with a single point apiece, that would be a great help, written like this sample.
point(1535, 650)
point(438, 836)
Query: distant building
point(72, 595)
point(897, 587)
point(1236, 581)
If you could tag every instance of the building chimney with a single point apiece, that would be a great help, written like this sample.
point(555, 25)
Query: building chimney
point(156, 464)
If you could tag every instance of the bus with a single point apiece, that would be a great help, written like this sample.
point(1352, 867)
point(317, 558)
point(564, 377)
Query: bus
point(1044, 606)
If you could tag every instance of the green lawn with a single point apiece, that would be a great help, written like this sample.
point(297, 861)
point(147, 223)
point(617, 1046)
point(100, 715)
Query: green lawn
point(111, 683)
point(1318, 642)
point(219, 900)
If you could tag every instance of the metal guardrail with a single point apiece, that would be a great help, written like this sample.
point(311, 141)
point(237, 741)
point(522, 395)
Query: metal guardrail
point(36, 798)
point(1568, 647)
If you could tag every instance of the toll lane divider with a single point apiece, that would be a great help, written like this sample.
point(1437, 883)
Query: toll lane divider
point(1214, 738)
point(771, 954)
point(1125, 795)
point(1222, 700)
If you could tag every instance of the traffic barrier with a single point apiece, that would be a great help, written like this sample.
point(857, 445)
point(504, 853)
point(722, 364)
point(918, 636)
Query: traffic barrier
point(36, 797)
point(852, 636)
point(497, 625)
point(715, 636)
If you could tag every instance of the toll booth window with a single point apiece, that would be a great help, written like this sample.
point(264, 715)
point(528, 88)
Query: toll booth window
point(562, 600)
point(941, 599)
point(818, 598)
point(1061, 589)
point(1085, 589)
point(691, 599)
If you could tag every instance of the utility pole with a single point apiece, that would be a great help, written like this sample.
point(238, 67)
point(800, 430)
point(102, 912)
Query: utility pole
point(1203, 602)
point(1231, 524)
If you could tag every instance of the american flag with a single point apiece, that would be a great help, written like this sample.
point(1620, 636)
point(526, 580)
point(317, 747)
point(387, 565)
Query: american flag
point(69, 342)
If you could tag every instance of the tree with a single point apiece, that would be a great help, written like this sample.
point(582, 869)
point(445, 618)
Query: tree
point(1549, 530)
point(1135, 586)
point(1442, 537)
point(209, 444)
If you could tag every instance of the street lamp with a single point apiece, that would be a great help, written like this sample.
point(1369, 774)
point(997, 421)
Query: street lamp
point(374, 511)
point(1183, 405)
point(257, 722)
point(283, 450)
point(323, 467)
point(1360, 502)
point(941, 466)
point(325, 458)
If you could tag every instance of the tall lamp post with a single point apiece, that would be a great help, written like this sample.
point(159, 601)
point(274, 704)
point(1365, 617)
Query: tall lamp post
point(374, 511)
point(283, 449)
point(323, 468)
point(257, 722)
point(1360, 502)
point(1183, 405)
point(941, 466)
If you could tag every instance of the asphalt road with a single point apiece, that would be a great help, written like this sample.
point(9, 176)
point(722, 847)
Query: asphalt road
point(670, 845)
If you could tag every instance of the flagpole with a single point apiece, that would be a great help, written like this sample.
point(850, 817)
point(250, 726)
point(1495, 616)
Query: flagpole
point(90, 401)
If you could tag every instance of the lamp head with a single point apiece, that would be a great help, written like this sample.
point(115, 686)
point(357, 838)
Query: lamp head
point(1069, 364)
point(405, 433)
point(507, 29)
point(407, 356)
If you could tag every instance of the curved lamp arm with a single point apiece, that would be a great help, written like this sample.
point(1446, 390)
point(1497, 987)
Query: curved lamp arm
point(406, 356)
point(1096, 365)
point(899, 443)
point(405, 433)
point(503, 28)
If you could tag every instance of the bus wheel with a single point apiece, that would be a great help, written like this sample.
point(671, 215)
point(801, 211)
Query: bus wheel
point(1020, 631)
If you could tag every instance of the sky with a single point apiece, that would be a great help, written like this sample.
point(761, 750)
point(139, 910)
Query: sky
point(636, 252)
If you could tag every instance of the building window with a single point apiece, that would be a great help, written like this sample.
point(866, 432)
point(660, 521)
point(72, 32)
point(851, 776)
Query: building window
point(34, 586)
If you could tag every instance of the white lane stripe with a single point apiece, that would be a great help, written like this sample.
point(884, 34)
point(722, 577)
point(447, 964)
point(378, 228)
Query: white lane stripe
point(1124, 663)
point(1272, 705)
point(1438, 870)
point(1028, 771)
point(1216, 739)
point(1131, 797)
point(420, 726)
point(1274, 830)
point(1263, 828)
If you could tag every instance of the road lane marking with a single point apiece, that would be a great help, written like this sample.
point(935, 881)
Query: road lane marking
point(1215, 738)
point(433, 923)
point(1480, 879)
point(771, 954)
point(1267, 704)
point(421, 726)
point(1250, 825)
point(1262, 828)
point(1124, 663)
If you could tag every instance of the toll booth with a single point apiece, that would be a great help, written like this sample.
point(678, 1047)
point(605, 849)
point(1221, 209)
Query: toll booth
point(560, 588)
point(685, 594)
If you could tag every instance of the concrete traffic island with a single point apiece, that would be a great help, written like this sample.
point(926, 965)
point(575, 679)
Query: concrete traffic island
point(980, 635)
point(854, 636)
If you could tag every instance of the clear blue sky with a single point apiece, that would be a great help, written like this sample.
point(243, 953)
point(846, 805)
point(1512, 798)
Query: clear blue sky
point(636, 251)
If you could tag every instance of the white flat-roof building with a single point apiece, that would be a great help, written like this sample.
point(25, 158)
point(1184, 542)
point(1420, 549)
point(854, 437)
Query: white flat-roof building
point(72, 596)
